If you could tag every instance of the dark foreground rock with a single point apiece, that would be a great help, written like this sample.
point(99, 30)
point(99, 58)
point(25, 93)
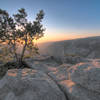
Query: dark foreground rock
point(11, 65)
point(28, 84)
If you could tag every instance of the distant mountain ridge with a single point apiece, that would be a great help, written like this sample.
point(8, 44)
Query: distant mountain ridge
point(85, 47)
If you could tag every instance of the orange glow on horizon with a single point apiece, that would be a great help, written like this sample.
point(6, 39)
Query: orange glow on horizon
point(60, 37)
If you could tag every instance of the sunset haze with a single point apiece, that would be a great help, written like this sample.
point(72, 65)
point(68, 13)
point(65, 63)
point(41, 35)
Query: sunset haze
point(64, 19)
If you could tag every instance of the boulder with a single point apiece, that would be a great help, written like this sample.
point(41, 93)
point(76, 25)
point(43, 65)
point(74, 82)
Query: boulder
point(87, 75)
point(28, 84)
point(83, 81)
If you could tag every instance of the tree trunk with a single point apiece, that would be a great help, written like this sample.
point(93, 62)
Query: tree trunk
point(23, 51)
point(15, 53)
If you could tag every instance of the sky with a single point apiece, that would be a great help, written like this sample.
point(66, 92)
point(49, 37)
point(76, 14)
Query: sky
point(64, 19)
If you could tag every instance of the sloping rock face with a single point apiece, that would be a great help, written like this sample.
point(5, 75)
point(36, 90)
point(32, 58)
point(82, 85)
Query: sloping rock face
point(87, 75)
point(28, 84)
point(86, 47)
point(83, 81)
point(79, 82)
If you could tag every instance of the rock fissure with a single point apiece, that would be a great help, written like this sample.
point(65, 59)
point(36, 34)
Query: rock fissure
point(59, 86)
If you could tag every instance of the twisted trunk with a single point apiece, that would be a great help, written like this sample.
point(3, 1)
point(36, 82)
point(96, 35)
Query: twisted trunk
point(23, 51)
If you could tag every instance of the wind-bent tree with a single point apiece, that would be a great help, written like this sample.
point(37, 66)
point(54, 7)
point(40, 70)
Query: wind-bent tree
point(17, 31)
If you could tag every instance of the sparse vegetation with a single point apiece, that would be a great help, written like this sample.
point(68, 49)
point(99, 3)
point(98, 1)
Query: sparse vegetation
point(17, 32)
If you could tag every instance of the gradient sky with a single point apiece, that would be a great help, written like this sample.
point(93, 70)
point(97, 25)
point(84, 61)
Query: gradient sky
point(64, 19)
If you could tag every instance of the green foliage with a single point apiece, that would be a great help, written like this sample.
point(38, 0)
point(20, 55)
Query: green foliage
point(17, 30)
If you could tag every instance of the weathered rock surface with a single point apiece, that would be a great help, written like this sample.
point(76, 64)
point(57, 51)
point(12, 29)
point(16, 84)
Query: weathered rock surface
point(87, 75)
point(49, 82)
point(77, 92)
point(42, 65)
point(60, 73)
point(80, 81)
point(28, 84)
